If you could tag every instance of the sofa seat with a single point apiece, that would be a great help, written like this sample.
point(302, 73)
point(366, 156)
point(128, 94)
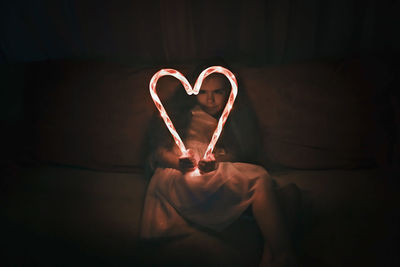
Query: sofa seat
point(57, 215)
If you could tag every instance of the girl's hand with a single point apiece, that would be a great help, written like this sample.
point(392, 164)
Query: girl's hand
point(207, 165)
point(187, 163)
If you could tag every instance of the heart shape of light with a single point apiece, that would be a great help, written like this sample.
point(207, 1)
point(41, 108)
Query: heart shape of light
point(195, 90)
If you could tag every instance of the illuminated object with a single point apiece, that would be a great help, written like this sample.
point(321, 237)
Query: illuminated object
point(195, 90)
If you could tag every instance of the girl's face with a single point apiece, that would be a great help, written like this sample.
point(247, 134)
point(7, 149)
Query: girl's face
point(213, 94)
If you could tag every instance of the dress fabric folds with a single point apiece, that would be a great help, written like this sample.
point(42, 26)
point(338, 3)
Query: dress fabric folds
point(214, 200)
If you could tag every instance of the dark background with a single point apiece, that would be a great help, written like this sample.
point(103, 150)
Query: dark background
point(153, 33)
point(262, 32)
point(150, 33)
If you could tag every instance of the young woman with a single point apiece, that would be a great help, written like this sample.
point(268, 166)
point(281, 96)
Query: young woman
point(229, 182)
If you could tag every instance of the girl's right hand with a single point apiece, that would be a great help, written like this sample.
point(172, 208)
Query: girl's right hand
point(187, 163)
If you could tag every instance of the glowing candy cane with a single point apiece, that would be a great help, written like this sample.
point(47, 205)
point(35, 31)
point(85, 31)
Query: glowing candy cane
point(228, 106)
point(160, 107)
point(190, 91)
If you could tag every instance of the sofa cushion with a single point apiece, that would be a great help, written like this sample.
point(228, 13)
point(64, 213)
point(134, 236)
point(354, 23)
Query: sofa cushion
point(315, 115)
point(56, 215)
point(80, 217)
point(94, 114)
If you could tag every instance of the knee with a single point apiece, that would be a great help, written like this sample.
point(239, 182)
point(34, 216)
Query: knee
point(266, 182)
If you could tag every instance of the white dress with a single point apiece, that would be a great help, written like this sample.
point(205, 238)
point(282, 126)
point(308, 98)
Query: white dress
point(213, 200)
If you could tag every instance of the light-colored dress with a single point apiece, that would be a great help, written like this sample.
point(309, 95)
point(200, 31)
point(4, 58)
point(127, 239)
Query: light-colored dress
point(213, 200)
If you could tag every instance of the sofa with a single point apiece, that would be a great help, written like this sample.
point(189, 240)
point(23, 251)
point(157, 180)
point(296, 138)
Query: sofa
point(76, 198)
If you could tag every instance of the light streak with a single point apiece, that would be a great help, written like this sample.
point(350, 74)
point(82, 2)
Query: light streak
point(195, 90)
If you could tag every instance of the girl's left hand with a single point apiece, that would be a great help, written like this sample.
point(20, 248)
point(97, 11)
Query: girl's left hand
point(207, 165)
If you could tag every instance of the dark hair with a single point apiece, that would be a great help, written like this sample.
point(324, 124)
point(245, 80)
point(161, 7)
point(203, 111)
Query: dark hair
point(241, 134)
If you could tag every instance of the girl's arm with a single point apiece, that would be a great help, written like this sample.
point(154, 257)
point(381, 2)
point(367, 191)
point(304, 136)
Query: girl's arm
point(223, 155)
point(166, 158)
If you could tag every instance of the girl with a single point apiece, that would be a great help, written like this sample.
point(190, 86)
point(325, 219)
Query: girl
point(229, 182)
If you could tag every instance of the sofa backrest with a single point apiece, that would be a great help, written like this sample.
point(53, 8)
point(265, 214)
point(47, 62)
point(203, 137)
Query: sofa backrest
point(95, 114)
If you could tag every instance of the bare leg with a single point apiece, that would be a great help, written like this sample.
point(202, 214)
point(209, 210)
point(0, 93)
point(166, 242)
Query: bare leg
point(277, 246)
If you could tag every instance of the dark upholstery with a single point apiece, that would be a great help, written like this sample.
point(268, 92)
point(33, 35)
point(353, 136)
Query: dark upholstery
point(80, 201)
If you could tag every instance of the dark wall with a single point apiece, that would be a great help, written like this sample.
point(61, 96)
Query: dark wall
point(260, 31)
